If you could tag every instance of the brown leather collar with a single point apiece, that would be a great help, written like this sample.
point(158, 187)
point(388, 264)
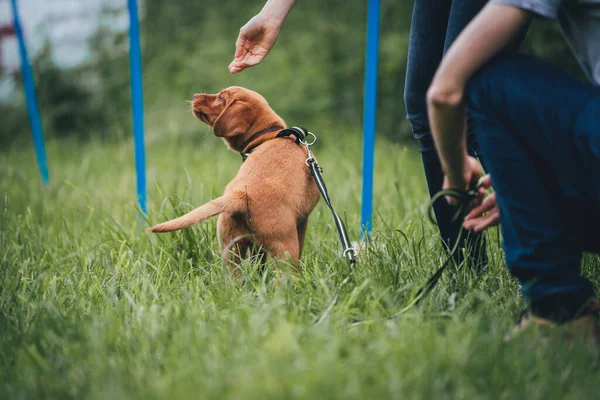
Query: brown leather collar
point(248, 145)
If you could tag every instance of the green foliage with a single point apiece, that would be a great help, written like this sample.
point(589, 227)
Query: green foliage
point(14, 121)
point(69, 101)
point(73, 103)
point(66, 101)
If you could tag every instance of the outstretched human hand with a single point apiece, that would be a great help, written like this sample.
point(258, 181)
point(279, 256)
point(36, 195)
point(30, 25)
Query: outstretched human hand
point(255, 41)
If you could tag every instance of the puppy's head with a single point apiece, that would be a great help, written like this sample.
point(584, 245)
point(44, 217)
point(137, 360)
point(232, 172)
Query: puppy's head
point(235, 114)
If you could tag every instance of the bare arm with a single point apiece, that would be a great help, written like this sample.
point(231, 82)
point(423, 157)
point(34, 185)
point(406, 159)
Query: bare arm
point(277, 10)
point(258, 36)
point(483, 38)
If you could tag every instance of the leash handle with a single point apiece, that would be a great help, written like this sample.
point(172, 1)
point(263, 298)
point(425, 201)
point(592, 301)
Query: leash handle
point(463, 197)
point(349, 253)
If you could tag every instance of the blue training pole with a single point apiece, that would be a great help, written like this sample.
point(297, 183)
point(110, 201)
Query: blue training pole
point(31, 98)
point(369, 115)
point(137, 102)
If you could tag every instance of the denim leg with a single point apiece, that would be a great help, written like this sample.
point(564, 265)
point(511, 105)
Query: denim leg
point(444, 212)
point(537, 128)
point(428, 39)
point(425, 51)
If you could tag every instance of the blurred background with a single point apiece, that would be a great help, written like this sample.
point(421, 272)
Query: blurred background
point(314, 76)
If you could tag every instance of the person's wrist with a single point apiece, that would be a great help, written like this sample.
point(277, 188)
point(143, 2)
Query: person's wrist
point(273, 15)
point(457, 174)
point(273, 20)
point(456, 182)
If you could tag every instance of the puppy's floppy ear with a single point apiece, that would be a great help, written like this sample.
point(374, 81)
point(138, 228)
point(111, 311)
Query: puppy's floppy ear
point(234, 120)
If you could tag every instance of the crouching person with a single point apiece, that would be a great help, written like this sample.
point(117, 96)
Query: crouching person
point(539, 132)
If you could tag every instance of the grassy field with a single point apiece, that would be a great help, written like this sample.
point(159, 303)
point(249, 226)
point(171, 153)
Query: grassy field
point(91, 306)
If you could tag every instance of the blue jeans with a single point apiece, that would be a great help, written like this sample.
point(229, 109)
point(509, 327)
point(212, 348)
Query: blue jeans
point(539, 131)
point(435, 26)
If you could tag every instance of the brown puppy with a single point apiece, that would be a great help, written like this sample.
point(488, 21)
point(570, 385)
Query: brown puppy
point(268, 203)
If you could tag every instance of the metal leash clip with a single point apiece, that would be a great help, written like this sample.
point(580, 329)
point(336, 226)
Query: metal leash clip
point(311, 159)
point(350, 254)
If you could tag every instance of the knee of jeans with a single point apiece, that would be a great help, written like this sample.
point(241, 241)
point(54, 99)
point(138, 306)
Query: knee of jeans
point(489, 83)
point(476, 93)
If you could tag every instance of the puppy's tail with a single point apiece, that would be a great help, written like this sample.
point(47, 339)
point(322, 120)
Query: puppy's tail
point(231, 202)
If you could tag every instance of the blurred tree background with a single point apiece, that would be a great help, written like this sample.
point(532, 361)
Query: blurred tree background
point(314, 75)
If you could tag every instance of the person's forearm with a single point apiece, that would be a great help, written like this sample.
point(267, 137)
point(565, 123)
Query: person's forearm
point(277, 10)
point(448, 126)
point(481, 40)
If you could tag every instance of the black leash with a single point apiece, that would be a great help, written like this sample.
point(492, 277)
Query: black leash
point(463, 198)
point(348, 254)
point(301, 134)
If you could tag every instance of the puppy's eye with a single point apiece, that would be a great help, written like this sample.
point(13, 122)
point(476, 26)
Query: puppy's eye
point(220, 97)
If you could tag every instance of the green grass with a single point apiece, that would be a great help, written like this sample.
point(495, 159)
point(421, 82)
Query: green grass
point(93, 307)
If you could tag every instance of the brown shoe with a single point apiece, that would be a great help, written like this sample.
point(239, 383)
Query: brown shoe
point(586, 325)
